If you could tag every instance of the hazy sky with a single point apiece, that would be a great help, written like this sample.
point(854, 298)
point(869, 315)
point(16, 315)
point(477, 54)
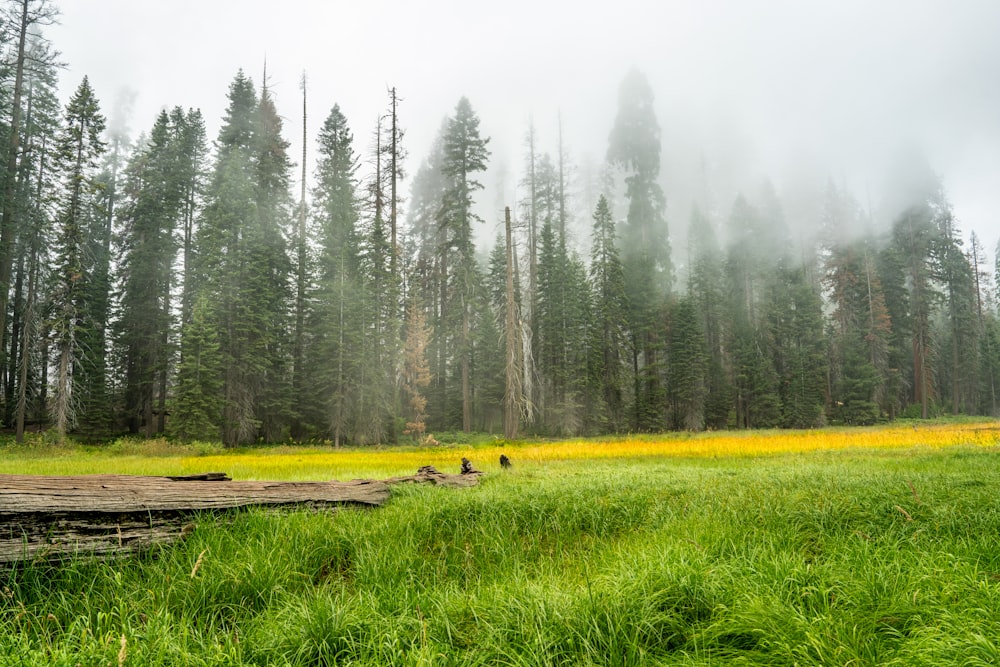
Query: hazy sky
point(793, 90)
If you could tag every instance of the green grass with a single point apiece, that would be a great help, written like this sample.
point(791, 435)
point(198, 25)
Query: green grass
point(861, 557)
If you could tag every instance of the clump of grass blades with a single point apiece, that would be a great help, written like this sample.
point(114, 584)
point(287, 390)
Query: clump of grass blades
point(782, 560)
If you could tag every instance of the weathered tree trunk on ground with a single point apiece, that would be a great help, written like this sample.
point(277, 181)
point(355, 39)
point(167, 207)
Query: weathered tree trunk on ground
point(45, 517)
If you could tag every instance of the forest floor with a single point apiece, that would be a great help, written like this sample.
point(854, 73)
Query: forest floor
point(837, 546)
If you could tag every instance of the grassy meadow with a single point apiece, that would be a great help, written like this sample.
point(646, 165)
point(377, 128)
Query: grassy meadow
point(831, 547)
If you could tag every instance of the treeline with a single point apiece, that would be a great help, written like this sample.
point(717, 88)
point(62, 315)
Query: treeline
point(164, 286)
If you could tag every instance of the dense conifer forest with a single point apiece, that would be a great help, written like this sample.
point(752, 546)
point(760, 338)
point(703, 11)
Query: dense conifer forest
point(206, 287)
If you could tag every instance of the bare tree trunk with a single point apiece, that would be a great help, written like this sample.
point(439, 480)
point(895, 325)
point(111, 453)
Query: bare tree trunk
point(442, 327)
point(562, 187)
point(298, 361)
point(17, 312)
point(466, 385)
point(512, 393)
point(532, 301)
point(394, 170)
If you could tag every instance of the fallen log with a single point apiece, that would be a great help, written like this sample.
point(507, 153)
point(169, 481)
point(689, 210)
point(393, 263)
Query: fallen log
point(43, 517)
point(430, 474)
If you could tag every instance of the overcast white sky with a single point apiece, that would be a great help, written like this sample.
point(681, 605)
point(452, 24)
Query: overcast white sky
point(794, 90)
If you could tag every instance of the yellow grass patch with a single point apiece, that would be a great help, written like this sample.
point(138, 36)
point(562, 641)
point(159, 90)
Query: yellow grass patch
point(348, 463)
point(320, 463)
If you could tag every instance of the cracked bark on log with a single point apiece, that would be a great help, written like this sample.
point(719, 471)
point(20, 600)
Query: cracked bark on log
point(45, 517)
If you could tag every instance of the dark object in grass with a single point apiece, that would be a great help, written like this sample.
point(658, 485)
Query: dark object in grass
point(504, 461)
point(201, 477)
point(467, 468)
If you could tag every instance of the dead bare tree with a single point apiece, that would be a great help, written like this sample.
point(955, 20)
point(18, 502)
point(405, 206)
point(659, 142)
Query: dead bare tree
point(512, 392)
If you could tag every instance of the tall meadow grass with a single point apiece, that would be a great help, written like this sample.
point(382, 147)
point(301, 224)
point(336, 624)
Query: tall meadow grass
point(685, 551)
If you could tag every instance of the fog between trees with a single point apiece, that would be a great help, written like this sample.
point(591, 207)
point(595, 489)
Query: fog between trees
point(184, 284)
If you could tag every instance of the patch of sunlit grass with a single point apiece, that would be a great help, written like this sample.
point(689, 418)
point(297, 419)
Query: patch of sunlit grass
point(300, 463)
point(839, 546)
point(348, 463)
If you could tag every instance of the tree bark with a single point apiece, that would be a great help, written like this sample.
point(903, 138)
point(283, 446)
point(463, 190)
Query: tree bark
point(10, 179)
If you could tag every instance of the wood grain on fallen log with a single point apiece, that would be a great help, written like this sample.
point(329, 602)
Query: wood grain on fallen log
point(43, 517)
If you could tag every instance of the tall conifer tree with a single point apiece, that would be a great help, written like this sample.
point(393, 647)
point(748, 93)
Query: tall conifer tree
point(337, 336)
point(153, 203)
point(78, 148)
point(609, 337)
point(464, 155)
point(634, 146)
point(705, 288)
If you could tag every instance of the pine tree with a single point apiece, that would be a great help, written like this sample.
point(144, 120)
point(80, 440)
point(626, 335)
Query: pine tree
point(464, 155)
point(860, 372)
point(548, 316)
point(192, 152)
point(634, 146)
point(303, 276)
point(221, 247)
point(985, 320)
point(688, 366)
point(754, 380)
point(428, 263)
point(913, 239)
point(891, 275)
point(989, 402)
point(609, 335)
point(78, 148)
point(487, 358)
point(381, 324)
point(706, 290)
point(559, 380)
point(795, 325)
point(29, 56)
point(154, 208)
point(960, 376)
point(265, 280)
point(29, 339)
point(243, 267)
point(563, 310)
point(910, 275)
point(196, 406)
point(335, 352)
